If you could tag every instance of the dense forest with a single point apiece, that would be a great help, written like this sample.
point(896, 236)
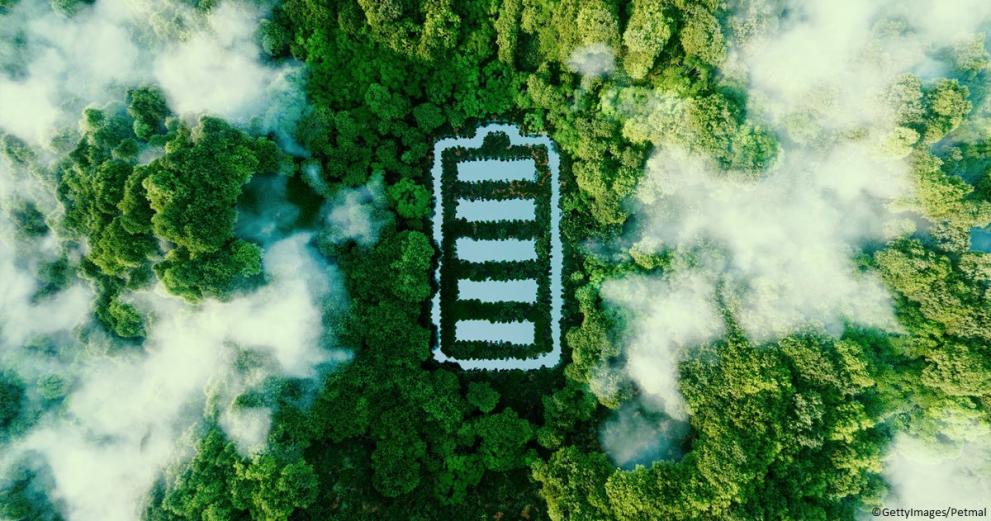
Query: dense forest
point(791, 425)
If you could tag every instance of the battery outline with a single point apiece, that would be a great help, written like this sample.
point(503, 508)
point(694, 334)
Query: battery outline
point(556, 259)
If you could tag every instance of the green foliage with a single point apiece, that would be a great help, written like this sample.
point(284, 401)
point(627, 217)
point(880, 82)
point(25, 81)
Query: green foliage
point(410, 199)
point(402, 440)
point(574, 484)
point(91, 185)
point(504, 440)
point(53, 277)
point(148, 109)
point(959, 369)
point(563, 412)
point(221, 484)
point(194, 186)
point(275, 38)
point(196, 275)
point(942, 302)
point(570, 25)
point(52, 387)
point(932, 111)
point(396, 466)
point(945, 198)
point(16, 150)
point(423, 33)
point(947, 104)
point(938, 288)
point(385, 104)
point(23, 497)
point(11, 400)
point(483, 396)
point(646, 33)
point(440, 29)
point(796, 422)
point(121, 318)
point(507, 27)
point(596, 23)
point(28, 220)
point(592, 349)
point(701, 37)
point(790, 430)
point(205, 489)
point(428, 116)
point(274, 490)
point(411, 255)
point(186, 197)
point(69, 7)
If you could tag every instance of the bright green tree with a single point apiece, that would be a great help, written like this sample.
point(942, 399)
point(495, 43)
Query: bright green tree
point(646, 33)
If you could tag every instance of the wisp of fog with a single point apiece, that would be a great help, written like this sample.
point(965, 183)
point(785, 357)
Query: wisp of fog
point(777, 250)
point(112, 416)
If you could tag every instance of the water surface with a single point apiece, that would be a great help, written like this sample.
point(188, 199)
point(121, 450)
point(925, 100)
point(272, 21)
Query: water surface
point(497, 170)
point(520, 333)
point(488, 290)
point(481, 210)
point(495, 250)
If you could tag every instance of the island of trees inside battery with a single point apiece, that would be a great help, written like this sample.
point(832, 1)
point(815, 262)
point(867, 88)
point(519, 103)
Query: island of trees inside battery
point(795, 428)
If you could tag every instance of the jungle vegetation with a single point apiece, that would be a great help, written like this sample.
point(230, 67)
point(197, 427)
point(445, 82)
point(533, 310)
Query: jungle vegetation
point(794, 429)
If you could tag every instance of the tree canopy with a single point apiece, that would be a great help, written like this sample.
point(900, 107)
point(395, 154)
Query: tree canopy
point(793, 427)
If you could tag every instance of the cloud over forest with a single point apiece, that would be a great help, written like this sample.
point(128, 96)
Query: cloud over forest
point(129, 413)
point(777, 247)
point(102, 417)
point(52, 65)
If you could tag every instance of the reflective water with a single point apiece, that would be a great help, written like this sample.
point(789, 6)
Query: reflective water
point(520, 333)
point(479, 210)
point(497, 170)
point(488, 290)
point(503, 250)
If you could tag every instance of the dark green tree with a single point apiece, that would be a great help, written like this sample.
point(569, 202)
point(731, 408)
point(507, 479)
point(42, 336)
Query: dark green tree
point(410, 199)
point(483, 396)
point(504, 440)
point(11, 399)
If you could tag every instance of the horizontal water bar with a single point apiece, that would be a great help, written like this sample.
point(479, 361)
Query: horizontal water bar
point(520, 333)
point(478, 210)
point(497, 170)
point(495, 250)
point(488, 290)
